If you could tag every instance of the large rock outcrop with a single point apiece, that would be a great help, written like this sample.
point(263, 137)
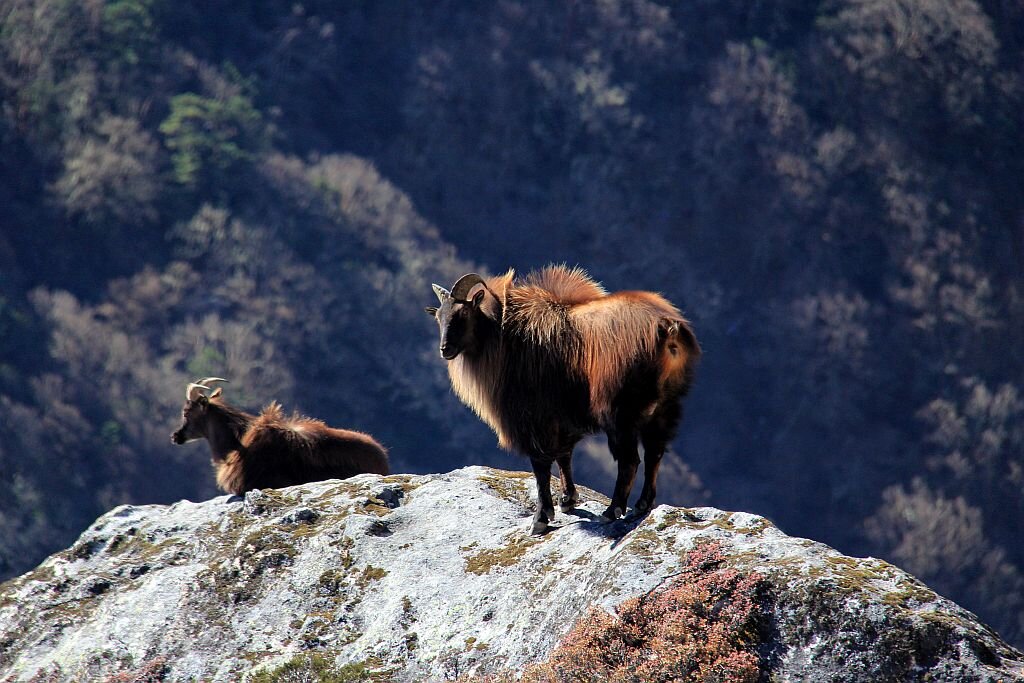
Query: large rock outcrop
point(434, 577)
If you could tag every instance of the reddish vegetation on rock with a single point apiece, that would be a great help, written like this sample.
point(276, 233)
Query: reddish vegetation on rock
point(699, 625)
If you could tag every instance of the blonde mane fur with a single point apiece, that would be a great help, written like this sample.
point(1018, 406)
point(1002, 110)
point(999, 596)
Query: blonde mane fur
point(476, 386)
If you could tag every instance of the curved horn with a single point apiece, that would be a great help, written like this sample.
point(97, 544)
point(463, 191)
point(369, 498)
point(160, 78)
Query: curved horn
point(441, 293)
point(465, 283)
point(195, 389)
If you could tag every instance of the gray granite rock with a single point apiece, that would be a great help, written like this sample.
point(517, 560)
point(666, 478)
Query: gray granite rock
point(431, 577)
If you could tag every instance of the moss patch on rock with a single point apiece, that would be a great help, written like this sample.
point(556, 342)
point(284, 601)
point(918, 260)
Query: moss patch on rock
point(509, 487)
point(370, 574)
point(505, 556)
point(317, 668)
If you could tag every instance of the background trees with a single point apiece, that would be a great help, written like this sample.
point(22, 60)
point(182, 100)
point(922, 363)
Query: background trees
point(831, 190)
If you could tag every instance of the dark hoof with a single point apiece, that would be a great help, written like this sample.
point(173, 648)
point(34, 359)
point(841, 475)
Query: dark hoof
point(568, 504)
point(642, 507)
point(542, 521)
point(613, 513)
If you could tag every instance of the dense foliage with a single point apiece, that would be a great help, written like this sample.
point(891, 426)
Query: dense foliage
point(264, 191)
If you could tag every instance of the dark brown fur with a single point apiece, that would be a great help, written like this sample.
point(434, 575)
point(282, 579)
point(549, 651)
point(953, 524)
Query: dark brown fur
point(554, 357)
point(273, 451)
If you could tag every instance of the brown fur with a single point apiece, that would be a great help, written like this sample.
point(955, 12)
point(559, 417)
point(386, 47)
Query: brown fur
point(614, 332)
point(552, 357)
point(278, 451)
point(618, 331)
point(272, 450)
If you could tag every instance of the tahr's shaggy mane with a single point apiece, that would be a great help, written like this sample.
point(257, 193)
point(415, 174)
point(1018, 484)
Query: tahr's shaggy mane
point(552, 357)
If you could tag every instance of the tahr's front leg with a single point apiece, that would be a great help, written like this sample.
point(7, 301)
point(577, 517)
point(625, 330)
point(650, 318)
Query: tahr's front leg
point(545, 505)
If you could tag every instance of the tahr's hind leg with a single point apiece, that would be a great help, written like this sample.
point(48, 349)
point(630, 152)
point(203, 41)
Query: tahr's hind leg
point(624, 449)
point(570, 496)
point(656, 435)
point(545, 506)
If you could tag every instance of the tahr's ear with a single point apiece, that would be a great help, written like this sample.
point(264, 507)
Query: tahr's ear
point(478, 298)
point(216, 393)
point(432, 310)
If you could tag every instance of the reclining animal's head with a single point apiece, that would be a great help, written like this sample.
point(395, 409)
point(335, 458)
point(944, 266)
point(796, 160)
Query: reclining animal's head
point(196, 409)
point(459, 314)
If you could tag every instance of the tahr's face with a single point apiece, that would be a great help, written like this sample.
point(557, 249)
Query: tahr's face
point(193, 422)
point(456, 319)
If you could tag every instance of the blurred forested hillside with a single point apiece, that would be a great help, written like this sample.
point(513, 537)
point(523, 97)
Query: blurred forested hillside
point(832, 190)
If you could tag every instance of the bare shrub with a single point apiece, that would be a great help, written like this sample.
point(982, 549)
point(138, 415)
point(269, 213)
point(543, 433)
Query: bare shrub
point(112, 175)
